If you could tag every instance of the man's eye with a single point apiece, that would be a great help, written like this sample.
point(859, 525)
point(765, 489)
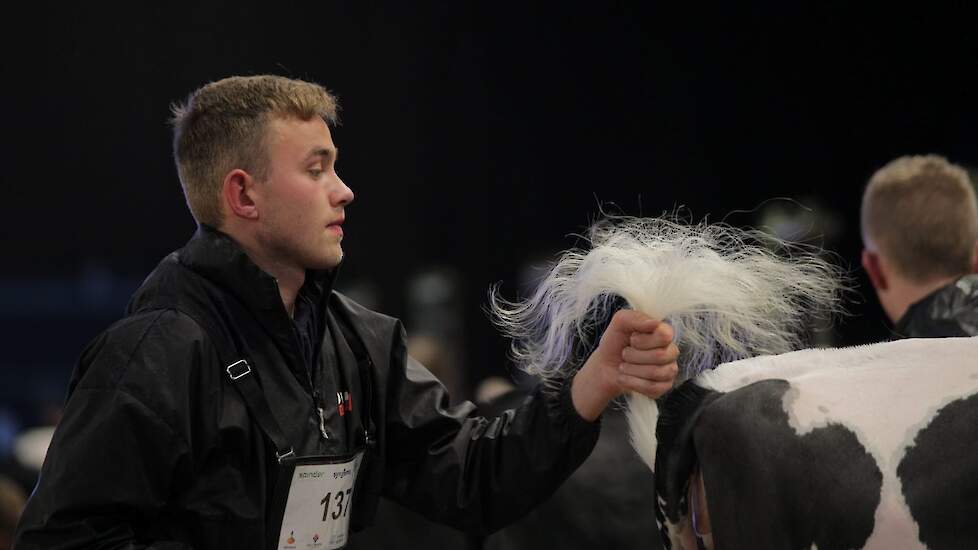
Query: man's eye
point(315, 172)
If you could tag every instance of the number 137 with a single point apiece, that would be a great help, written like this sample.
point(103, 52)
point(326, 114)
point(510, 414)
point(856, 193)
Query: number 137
point(341, 501)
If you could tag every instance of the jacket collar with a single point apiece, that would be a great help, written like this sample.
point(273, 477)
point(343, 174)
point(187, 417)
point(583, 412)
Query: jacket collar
point(217, 257)
point(951, 310)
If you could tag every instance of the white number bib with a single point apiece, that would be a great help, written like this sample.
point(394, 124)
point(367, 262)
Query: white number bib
point(317, 512)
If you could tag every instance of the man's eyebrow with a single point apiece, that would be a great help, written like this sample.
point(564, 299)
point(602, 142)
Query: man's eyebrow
point(324, 152)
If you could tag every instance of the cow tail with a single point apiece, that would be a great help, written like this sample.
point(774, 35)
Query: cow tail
point(676, 458)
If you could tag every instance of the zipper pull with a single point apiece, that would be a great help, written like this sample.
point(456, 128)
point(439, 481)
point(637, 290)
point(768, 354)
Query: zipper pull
point(322, 423)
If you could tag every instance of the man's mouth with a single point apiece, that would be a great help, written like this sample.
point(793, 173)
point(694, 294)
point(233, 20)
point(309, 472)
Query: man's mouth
point(336, 227)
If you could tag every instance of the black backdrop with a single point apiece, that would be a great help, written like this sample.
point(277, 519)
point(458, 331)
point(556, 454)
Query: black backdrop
point(477, 136)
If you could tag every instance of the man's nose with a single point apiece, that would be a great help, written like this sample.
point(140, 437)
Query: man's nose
point(343, 194)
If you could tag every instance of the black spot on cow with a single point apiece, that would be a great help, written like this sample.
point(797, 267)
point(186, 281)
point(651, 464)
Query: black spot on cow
point(768, 487)
point(939, 474)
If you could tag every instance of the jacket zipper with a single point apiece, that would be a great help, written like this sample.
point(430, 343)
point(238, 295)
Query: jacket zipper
point(316, 399)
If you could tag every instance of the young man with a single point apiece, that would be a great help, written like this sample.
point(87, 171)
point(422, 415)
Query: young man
point(920, 232)
point(243, 403)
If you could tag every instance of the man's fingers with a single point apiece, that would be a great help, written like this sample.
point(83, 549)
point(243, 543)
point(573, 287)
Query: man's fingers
point(656, 373)
point(628, 321)
point(645, 387)
point(655, 356)
point(648, 356)
point(659, 337)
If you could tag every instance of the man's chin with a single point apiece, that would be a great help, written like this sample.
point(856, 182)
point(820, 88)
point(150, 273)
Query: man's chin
point(328, 262)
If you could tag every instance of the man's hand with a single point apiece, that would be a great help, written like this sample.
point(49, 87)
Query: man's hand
point(636, 354)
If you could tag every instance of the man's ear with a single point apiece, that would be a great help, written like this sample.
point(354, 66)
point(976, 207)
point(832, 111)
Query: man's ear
point(238, 194)
point(871, 263)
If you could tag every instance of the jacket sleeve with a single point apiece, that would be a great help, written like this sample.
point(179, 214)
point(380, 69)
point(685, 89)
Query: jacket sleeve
point(114, 456)
point(474, 473)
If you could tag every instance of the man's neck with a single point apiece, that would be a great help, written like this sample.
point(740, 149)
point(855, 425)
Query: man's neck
point(289, 278)
point(910, 293)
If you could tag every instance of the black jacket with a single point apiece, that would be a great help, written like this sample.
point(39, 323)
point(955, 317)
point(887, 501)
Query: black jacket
point(949, 311)
point(157, 449)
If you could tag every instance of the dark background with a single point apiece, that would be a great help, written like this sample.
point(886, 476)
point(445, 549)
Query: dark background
point(477, 137)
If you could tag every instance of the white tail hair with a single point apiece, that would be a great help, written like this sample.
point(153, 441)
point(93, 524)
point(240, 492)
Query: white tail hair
point(728, 293)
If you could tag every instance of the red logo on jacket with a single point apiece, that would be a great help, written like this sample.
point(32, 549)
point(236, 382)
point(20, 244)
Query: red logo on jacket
point(344, 402)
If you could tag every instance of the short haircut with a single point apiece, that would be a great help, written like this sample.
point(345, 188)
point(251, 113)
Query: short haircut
point(921, 213)
point(222, 126)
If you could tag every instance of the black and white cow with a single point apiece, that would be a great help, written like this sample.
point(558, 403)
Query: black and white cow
point(864, 447)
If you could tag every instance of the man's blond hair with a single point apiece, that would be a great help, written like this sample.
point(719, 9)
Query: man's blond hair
point(921, 213)
point(222, 126)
